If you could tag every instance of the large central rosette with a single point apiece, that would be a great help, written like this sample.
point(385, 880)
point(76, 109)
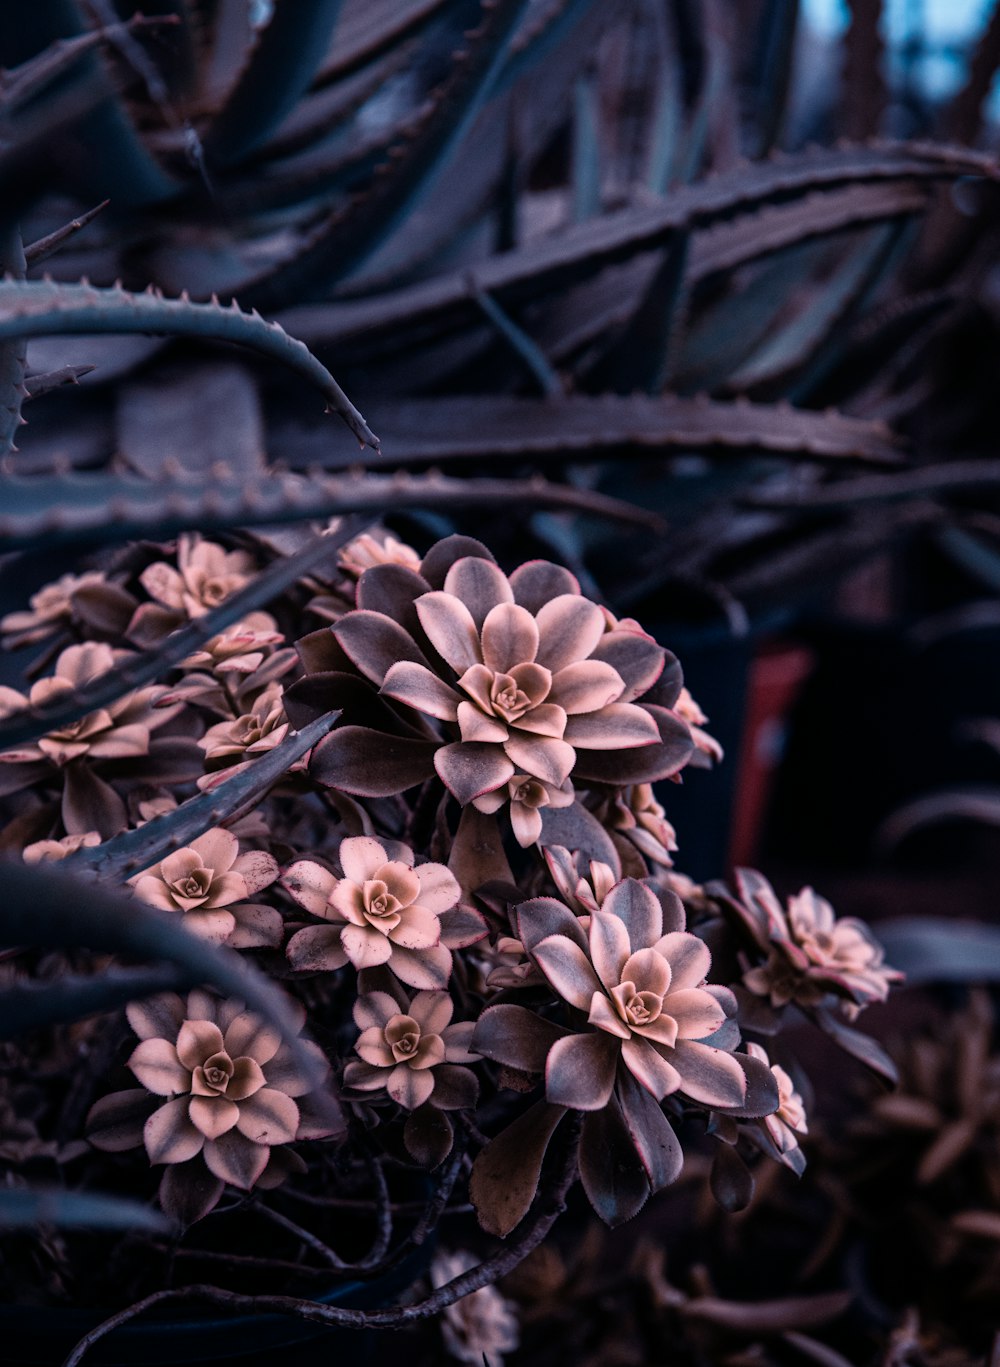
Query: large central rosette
point(512, 689)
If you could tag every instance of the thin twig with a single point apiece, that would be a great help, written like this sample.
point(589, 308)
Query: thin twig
point(549, 1205)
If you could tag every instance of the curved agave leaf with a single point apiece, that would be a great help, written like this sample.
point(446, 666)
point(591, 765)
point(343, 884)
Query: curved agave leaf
point(43, 307)
point(14, 350)
point(46, 908)
point(31, 723)
point(118, 162)
point(932, 949)
point(27, 1208)
point(141, 848)
point(39, 511)
point(350, 236)
point(563, 259)
point(283, 62)
point(31, 1005)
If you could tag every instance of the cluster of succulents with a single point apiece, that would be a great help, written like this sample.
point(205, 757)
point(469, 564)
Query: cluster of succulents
point(405, 803)
point(465, 965)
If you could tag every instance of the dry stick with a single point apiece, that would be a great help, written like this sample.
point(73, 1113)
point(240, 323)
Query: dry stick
point(303, 1235)
point(548, 1207)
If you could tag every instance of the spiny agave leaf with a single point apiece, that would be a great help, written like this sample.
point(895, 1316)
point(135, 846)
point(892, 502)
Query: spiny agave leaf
point(773, 70)
point(369, 27)
point(37, 252)
point(640, 356)
point(32, 1005)
point(37, 385)
point(140, 849)
point(284, 60)
point(118, 163)
point(46, 908)
point(47, 510)
point(932, 949)
point(33, 75)
point(585, 169)
point(14, 349)
point(31, 1207)
point(602, 306)
point(563, 259)
point(820, 323)
point(865, 96)
point(523, 346)
point(727, 246)
point(951, 477)
point(349, 236)
point(32, 722)
point(973, 802)
point(43, 307)
point(579, 427)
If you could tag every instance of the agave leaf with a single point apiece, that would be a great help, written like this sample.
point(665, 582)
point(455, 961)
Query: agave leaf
point(528, 351)
point(139, 849)
point(37, 252)
point(931, 949)
point(773, 72)
point(580, 427)
point(38, 511)
point(585, 162)
point(31, 723)
point(369, 27)
point(727, 246)
point(13, 351)
point(349, 236)
point(31, 1207)
point(863, 82)
point(820, 322)
point(46, 908)
point(118, 163)
point(37, 385)
point(602, 306)
point(563, 259)
point(640, 357)
point(34, 74)
point(29, 1006)
point(973, 802)
point(283, 62)
point(38, 307)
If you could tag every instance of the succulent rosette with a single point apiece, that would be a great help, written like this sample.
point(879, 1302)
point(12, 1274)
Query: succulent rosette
point(513, 690)
point(413, 1051)
point(641, 989)
point(636, 1025)
point(811, 954)
point(208, 882)
point(71, 753)
point(219, 1092)
point(384, 910)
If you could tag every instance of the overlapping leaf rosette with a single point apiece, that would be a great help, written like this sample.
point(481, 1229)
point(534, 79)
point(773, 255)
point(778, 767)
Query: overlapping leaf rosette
point(221, 1098)
point(803, 956)
point(518, 694)
point(634, 1023)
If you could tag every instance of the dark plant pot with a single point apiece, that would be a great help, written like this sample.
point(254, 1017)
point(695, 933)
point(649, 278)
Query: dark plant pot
point(42, 1336)
point(720, 669)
